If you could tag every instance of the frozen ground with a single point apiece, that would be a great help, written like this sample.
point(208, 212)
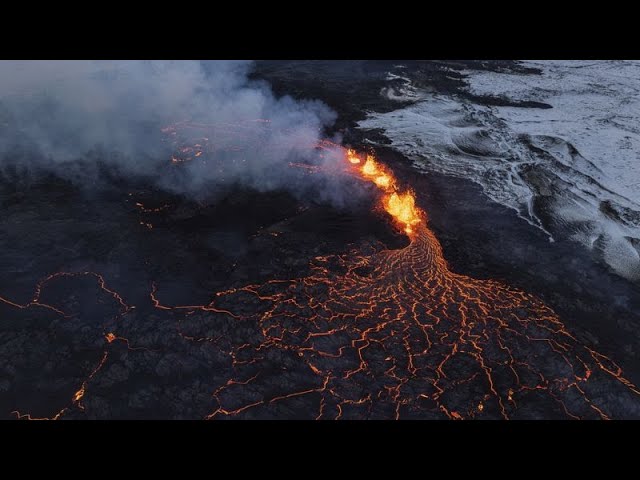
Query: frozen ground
point(573, 169)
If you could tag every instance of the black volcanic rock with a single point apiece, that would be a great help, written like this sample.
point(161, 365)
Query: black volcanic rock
point(162, 363)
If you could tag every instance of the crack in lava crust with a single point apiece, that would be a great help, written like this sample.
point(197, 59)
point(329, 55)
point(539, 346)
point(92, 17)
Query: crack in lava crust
point(399, 335)
point(377, 334)
point(396, 334)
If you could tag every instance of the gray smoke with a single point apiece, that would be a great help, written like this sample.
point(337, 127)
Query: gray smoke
point(63, 115)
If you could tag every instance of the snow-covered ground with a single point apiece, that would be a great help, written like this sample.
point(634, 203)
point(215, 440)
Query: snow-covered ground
point(572, 170)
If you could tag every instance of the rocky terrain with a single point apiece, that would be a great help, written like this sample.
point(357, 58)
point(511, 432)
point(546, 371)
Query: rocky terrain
point(108, 296)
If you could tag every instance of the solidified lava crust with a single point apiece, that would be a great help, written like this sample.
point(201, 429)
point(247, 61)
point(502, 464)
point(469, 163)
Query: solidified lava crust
point(372, 332)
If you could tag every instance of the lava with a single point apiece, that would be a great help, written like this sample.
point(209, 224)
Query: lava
point(402, 207)
point(420, 341)
point(352, 157)
point(123, 309)
point(379, 333)
point(371, 168)
point(383, 181)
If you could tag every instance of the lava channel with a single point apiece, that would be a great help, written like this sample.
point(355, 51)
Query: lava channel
point(396, 334)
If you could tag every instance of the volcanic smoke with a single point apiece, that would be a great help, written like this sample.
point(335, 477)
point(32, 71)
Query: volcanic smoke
point(396, 334)
point(384, 334)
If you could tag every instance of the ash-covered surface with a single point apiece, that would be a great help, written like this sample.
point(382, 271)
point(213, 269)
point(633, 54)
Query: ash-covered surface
point(105, 340)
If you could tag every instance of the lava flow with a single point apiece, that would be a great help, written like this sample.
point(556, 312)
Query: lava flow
point(396, 334)
point(374, 333)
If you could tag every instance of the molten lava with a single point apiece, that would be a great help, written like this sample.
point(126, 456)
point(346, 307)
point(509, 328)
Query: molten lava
point(374, 333)
point(402, 207)
point(396, 334)
point(371, 168)
point(352, 157)
point(383, 181)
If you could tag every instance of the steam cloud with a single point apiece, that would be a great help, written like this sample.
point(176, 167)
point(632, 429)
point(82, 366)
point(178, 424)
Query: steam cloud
point(71, 116)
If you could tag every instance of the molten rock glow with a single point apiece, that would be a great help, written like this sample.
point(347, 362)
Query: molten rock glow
point(402, 207)
point(396, 334)
point(371, 333)
point(383, 181)
point(352, 157)
point(371, 168)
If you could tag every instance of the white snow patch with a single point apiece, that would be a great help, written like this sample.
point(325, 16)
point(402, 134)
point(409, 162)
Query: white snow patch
point(596, 111)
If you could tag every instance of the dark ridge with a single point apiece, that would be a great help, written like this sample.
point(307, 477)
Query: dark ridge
point(496, 101)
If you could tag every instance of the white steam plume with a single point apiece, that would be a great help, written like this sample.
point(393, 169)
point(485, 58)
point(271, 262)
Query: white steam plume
point(56, 115)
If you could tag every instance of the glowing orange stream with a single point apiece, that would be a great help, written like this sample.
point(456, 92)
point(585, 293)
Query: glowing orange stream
point(418, 340)
point(380, 333)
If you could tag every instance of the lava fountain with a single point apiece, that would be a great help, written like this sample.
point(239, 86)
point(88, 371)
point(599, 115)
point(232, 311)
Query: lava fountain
point(373, 333)
point(396, 334)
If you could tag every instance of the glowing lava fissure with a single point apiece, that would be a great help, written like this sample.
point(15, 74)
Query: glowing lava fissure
point(400, 205)
point(408, 338)
point(396, 334)
point(378, 333)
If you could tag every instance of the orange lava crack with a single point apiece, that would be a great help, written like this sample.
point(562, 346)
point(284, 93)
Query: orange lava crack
point(390, 334)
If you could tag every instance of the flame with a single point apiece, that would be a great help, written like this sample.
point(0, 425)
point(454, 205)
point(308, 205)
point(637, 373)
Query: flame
point(371, 168)
point(455, 346)
point(402, 207)
point(383, 181)
point(352, 157)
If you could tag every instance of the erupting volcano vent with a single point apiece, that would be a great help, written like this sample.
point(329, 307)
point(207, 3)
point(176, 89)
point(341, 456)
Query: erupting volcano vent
point(396, 334)
point(374, 333)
